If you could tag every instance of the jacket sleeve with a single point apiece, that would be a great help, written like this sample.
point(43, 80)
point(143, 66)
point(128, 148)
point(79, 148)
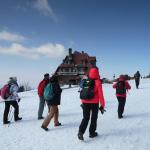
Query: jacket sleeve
point(57, 89)
point(127, 86)
point(100, 94)
point(41, 87)
point(114, 86)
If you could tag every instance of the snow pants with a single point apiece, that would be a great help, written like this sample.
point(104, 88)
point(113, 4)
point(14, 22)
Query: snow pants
point(7, 108)
point(89, 110)
point(121, 105)
point(137, 82)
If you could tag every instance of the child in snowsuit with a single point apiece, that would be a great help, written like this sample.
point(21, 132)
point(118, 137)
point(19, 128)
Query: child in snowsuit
point(121, 87)
point(91, 107)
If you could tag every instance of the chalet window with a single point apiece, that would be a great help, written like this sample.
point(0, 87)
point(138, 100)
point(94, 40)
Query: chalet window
point(70, 70)
point(82, 69)
point(66, 70)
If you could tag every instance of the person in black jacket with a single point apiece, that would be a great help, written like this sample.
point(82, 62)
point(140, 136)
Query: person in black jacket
point(53, 104)
point(137, 76)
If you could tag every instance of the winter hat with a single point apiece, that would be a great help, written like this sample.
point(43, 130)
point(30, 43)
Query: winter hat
point(46, 75)
point(12, 80)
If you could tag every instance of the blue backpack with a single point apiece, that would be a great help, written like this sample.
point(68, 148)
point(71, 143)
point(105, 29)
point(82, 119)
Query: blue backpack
point(49, 92)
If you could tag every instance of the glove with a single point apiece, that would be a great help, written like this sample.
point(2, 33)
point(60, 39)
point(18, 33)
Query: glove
point(82, 106)
point(18, 100)
point(102, 110)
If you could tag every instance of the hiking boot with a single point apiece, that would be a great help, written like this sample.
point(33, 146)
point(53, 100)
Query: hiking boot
point(45, 128)
point(57, 124)
point(19, 118)
point(120, 117)
point(80, 136)
point(92, 135)
point(6, 122)
point(39, 118)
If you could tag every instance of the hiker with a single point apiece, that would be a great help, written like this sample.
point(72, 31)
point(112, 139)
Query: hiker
point(137, 76)
point(12, 100)
point(90, 105)
point(114, 77)
point(41, 87)
point(53, 100)
point(121, 87)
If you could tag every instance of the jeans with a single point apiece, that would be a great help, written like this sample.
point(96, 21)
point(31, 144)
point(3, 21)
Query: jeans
point(41, 106)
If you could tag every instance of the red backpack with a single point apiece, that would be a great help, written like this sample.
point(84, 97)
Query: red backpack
point(5, 91)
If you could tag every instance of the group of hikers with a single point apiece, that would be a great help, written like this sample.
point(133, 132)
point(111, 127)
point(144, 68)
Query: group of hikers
point(49, 92)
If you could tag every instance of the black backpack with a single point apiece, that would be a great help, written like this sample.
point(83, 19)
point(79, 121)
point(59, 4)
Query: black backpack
point(87, 91)
point(120, 88)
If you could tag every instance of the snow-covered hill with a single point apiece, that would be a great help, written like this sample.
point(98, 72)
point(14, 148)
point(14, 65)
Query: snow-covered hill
point(130, 133)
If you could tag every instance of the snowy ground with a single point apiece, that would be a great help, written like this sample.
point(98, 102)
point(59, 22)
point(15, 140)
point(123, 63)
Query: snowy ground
point(130, 133)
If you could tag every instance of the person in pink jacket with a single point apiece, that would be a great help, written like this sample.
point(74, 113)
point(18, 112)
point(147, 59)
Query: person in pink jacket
point(91, 107)
point(121, 87)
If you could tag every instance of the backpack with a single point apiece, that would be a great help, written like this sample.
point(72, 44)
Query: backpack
point(49, 92)
point(87, 91)
point(5, 91)
point(120, 87)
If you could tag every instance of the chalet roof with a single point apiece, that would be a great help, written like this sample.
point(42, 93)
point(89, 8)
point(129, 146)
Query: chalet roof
point(92, 58)
point(79, 57)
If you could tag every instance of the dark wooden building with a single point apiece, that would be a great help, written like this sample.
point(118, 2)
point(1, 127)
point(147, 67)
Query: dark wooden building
point(74, 66)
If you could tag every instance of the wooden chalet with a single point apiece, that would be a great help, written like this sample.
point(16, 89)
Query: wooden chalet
point(74, 66)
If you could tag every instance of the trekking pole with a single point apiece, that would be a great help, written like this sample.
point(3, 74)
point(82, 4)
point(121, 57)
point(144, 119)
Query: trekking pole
point(128, 92)
point(10, 115)
point(10, 112)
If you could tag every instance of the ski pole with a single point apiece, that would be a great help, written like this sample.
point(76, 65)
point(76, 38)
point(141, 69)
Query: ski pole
point(11, 116)
point(10, 112)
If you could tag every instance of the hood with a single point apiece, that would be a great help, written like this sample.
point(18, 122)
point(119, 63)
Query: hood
point(94, 73)
point(122, 78)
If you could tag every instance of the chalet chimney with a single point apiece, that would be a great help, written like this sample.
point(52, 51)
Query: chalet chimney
point(70, 51)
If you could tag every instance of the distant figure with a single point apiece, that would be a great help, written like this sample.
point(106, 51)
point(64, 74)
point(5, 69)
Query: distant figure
point(12, 100)
point(90, 104)
point(137, 76)
point(52, 94)
point(41, 87)
point(121, 87)
point(114, 76)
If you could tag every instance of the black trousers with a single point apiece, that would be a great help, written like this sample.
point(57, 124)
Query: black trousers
point(137, 82)
point(121, 105)
point(7, 107)
point(89, 110)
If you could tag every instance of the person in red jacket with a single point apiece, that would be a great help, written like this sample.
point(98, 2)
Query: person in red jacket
point(121, 87)
point(91, 107)
point(41, 87)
